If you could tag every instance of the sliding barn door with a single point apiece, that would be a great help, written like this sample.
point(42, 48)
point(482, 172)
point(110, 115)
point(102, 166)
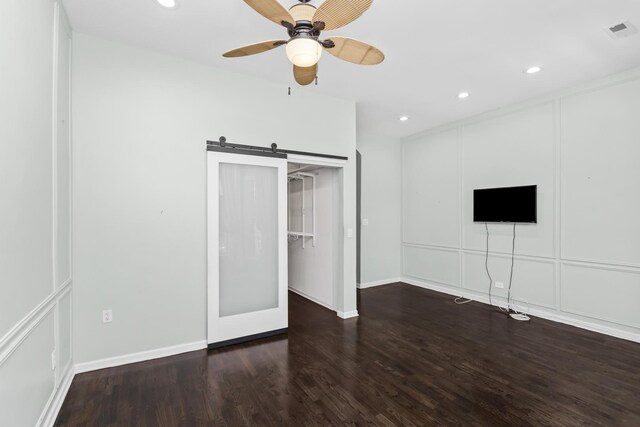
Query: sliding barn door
point(247, 247)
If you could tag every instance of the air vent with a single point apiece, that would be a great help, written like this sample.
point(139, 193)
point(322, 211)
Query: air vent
point(621, 30)
point(618, 28)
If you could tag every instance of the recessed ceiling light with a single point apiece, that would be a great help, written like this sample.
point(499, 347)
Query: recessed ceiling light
point(404, 118)
point(463, 95)
point(169, 4)
point(533, 70)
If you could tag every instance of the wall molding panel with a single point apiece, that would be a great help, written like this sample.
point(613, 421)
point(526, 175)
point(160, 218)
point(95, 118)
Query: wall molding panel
point(12, 340)
point(534, 280)
point(51, 410)
point(585, 217)
point(621, 304)
point(495, 253)
point(434, 247)
point(543, 313)
point(32, 348)
point(443, 266)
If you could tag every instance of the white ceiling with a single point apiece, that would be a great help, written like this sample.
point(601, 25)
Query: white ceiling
point(434, 50)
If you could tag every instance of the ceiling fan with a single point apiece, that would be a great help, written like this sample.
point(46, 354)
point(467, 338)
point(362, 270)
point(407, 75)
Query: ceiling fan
point(304, 23)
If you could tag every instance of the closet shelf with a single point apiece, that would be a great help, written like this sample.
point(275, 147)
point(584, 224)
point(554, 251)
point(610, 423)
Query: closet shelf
point(295, 233)
point(300, 176)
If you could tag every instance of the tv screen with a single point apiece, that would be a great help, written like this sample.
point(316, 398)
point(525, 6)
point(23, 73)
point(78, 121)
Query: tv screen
point(510, 204)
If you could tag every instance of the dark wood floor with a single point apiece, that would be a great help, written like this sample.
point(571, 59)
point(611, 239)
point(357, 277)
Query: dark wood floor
point(411, 358)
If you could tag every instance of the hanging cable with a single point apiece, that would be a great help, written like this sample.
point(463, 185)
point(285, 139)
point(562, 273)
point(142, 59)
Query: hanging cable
point(515, 314)
point(486, 263)
point(486, 266)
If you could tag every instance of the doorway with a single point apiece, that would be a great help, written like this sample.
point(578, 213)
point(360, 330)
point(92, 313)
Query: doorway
point(255, 240)
point(314, 231)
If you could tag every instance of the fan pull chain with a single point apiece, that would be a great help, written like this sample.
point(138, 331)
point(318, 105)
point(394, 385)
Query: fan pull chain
point(316, 80)
point(289, 79)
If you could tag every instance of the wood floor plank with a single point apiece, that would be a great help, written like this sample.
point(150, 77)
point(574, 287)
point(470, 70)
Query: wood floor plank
point(412, 358)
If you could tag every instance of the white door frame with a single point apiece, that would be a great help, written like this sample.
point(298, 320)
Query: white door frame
point(242, 327)
point(331, 162)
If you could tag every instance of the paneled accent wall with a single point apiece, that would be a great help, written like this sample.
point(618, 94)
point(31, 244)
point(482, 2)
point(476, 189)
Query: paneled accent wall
point(581, 262)
point(36, 361)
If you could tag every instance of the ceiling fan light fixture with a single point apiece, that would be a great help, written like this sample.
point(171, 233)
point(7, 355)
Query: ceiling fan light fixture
point(304, 23)
point(304, 52)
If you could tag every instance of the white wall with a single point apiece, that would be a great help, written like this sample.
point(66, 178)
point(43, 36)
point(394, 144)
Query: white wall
point(313, 270)
point(581, 262)
point(141, 120)
point(381, 203)
point(35, 223)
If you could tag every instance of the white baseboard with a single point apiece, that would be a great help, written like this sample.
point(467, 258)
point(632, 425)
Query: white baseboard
point(50, 412)
point(139, 357)
point(379, 283)
point(310, 298)
point(539, 312)
point(341, 314)
point(348, 314)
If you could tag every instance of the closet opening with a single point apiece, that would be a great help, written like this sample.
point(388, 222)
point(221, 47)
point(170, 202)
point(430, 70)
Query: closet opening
point(314, 231)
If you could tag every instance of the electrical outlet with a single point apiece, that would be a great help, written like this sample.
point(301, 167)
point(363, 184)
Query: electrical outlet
point(365, 222)
point(500, 285)
point(107, 316)
point(53, 360)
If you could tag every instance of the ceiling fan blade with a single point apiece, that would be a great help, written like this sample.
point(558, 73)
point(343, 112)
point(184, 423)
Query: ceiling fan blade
point(338, 13)
point(253, 49)
point(355, 51)
point(272, 10)
point(305, 75)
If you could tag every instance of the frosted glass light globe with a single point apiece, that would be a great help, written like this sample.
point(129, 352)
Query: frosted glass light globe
point(304, 52)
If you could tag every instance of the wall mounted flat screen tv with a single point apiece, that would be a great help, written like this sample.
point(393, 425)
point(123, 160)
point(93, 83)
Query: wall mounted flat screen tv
point(509, 204)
